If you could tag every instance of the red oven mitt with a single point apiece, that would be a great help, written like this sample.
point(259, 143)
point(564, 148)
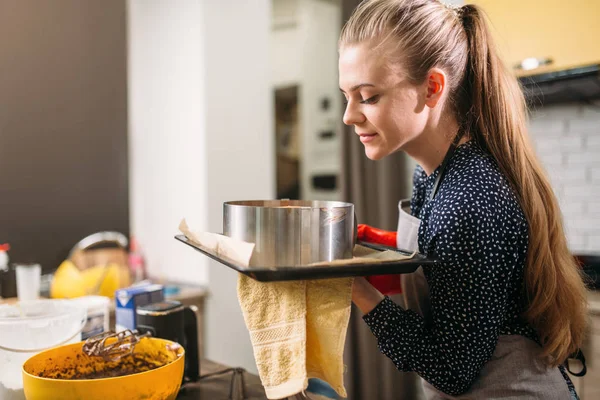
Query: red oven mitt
point(386, 284)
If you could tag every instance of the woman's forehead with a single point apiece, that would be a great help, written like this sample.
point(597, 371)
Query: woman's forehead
point(359, 64)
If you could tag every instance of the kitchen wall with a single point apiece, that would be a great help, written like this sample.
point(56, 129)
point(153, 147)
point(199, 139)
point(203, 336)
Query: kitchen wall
point(63, 125)
point(167, 133)
point(240, 141)
point(567, 140)
point(201, 133)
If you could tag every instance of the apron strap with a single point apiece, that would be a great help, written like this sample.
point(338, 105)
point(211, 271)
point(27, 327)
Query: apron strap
point(447, 158)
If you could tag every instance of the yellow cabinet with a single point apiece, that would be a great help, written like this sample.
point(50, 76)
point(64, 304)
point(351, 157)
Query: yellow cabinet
point(565, 31)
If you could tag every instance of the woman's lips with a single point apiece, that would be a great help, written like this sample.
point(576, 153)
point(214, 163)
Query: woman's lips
point(367, 137)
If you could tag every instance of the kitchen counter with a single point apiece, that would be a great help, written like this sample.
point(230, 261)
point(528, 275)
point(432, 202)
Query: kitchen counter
point(187, 295)
point(219, 386)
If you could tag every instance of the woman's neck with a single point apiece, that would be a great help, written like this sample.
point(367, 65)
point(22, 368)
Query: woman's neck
point(430, 148)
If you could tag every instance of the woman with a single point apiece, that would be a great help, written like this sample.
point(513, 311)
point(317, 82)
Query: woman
point(507, 305)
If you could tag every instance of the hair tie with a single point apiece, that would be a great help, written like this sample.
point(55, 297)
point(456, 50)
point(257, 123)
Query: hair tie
point(458, 10)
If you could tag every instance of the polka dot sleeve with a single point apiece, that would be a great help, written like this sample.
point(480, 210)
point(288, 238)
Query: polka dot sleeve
point(475, 227)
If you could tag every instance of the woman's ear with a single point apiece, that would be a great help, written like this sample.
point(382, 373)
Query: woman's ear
point(436, 87)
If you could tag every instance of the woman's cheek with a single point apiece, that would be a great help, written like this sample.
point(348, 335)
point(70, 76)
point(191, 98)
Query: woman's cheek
point(377, 120)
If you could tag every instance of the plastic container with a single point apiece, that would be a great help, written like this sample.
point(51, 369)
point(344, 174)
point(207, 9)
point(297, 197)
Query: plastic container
point(97, 314)
point(28, 281)
point(27, 328)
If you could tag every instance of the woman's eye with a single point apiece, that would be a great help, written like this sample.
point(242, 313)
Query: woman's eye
point(371, 100)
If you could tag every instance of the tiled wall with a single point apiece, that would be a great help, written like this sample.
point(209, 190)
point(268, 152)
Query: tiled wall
point(567, 139)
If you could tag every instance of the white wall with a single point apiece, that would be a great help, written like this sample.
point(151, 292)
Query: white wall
point(167, 133)
point(567, 140)
point(286, 44)
point(200, 134)
point(240, 143)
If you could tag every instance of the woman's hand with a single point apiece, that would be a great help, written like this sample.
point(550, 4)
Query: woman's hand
point(364, 295)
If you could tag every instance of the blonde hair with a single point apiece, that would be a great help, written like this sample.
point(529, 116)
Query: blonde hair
point(489, 106)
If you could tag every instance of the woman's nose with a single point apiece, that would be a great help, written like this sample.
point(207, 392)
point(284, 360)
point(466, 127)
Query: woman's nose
point(352, 116)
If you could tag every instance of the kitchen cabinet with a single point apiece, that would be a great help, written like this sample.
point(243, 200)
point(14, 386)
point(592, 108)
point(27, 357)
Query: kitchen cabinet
point(566, 32)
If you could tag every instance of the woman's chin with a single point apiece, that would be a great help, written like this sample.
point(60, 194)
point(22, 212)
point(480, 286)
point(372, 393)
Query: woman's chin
point(374, 153)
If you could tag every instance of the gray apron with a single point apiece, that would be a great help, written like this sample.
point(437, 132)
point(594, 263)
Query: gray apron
point(513, 372)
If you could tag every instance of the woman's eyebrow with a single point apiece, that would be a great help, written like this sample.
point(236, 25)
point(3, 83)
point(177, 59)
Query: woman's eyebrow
point(356, 87)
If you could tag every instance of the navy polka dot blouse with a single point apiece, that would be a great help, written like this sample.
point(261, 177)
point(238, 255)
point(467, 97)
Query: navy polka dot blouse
point(476, 227)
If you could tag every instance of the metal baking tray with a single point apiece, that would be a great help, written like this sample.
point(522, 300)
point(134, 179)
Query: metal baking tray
point(302, 272)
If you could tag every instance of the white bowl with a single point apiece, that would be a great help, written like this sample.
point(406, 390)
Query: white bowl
point(27, 328)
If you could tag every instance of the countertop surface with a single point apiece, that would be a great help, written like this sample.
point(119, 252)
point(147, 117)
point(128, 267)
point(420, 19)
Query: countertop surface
point(184, 293)
point(220, 386)
point(198, 292)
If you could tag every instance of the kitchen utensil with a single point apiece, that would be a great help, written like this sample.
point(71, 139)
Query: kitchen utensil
point(292, 232)
point(235, 373)
point(65, 362)
point(172, 320)
point(28, 328)
point(99, 238)
point(111, 346)
point(101, 260)
point(302, 272)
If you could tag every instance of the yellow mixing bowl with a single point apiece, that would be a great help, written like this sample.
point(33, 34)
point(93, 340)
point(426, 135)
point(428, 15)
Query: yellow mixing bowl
point(57, 373)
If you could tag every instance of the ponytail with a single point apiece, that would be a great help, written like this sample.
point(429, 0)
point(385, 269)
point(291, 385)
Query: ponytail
point(492, 111)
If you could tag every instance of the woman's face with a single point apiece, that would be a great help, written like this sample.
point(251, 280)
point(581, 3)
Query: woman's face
point(385, 108)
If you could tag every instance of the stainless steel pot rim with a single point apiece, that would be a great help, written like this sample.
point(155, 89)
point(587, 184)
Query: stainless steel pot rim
point(308, 204)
